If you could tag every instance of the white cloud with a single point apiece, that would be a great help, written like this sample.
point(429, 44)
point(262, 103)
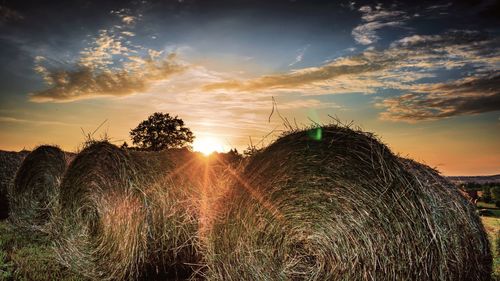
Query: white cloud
point(110, 66)
point(374, 20)
point(126, 16)
point(6, 119)
point(300, 55)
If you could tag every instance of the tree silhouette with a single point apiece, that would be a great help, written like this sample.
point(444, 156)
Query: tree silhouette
point(161, 131)
point(486, 195)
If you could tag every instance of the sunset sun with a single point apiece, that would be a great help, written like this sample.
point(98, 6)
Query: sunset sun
point(207, 145)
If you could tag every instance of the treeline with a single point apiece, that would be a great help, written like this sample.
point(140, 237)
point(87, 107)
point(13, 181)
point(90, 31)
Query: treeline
point(490, 191)
point(479, 186)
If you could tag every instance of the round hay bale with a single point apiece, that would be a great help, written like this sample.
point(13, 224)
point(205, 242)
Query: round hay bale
point(332, 203)
point(175, 206)
point(33, 196)
point(103, 231)
point(123, 215)
point(465, 230)
point(10, 163)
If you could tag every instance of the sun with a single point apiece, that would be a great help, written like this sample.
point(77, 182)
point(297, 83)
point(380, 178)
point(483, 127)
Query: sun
point(207, 145)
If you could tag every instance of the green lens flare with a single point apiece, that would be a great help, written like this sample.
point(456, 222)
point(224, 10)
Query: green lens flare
point(315, 134)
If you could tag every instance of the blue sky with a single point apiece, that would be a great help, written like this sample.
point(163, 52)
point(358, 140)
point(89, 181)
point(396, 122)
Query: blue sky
point(423, 76)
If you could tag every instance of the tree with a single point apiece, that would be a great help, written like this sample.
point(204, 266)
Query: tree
point(486, 195)
point(124, 145)
point(495, 193)
point(232, 157)
point(161, 131)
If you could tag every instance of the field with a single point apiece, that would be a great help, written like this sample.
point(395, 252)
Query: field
point(27, 257)
point(24, 257)
point(490, 207)
point(110, 213)
point(492, 225)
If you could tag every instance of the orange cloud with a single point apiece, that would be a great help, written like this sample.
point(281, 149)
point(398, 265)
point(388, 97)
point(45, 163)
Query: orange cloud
point(347, 66)
point(85, 82)
point(403, 63)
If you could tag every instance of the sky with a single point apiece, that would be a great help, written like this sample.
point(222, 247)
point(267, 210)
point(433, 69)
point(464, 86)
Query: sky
point(422, 75)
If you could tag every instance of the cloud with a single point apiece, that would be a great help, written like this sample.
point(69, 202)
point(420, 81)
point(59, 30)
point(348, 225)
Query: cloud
point(374, 19)
point(239, 114)
point(400, 67)
point(439, 7)
point(126, 16)
point(128, 33)
point(303, 77)
point(85, 82)
point(406, 61)
point(6, 119)
point(110, 66)
point(300, 55)
point(351, 5)
point(7, 15)
point(471, 95)
point(100, 54)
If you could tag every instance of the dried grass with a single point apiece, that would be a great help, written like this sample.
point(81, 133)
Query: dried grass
point(174, 212)
point(9, 164)
point(126, 214)
point(333, 203)
point(33, 196)
point(103, 232)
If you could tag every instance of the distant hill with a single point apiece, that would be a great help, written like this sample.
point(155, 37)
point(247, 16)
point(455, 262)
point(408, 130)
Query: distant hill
point(475, 179)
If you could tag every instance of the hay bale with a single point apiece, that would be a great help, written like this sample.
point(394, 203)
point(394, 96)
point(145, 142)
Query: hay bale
point(175, 204)
point(9, 164)
point(36, 186)
point(121, 215)
point(465, 229)
point(103, 231)
point(332, 203)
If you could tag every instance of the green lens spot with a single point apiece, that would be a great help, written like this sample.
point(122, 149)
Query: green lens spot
point(315, 134)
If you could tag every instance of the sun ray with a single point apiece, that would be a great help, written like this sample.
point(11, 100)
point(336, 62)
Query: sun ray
point(273, 210)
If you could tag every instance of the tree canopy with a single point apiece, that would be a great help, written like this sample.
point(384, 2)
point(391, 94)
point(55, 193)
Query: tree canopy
point(161, 131)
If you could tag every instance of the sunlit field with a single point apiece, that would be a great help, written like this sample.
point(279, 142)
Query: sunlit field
point(300, 208)
point(492, 225)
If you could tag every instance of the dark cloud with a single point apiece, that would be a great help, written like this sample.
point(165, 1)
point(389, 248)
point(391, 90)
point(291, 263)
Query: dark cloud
point(467, 96)
point(7, 14)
